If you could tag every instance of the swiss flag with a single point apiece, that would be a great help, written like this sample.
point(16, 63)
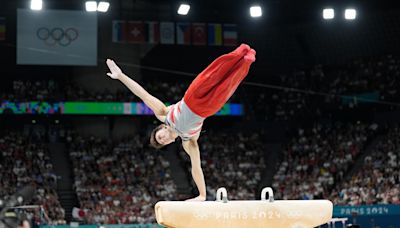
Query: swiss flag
point(135, 32)
point(199, 36)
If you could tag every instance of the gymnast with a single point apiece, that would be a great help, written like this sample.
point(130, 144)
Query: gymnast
point(206, 95)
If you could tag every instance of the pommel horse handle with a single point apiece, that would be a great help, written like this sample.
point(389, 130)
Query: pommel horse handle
point(270, 194)
point(222, 195)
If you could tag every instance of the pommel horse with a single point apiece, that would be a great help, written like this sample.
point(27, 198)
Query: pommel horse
point(262, 213)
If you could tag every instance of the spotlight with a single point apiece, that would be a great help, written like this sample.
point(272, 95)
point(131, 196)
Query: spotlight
point(350, 14)
point(255, 11)
point(328, 14)
point(91, 6)
point(103, 6)
point(36, 4)
point(183, 9)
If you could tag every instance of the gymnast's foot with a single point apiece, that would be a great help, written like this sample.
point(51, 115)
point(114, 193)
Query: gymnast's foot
point(250, 56)
point(242, 49)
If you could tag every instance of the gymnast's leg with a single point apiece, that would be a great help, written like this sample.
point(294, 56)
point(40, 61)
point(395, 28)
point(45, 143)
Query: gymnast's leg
point(215, 85)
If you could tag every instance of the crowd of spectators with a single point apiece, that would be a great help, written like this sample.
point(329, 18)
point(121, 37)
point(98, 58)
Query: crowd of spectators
point(317, 89)
point(302, 92)
point(233, 161)
point(367, 75)
point(166, 91)
point(292, 96)
point(26, 161)
point(59, 90)
point(32, 90)
point(378, 180)
point(119, 182)
point(318, 158)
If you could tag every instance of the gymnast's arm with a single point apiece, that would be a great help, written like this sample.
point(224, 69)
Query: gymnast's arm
point(191, 147)
point(159, 109)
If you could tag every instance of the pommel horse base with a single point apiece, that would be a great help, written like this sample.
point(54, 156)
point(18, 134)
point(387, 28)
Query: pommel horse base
point(239, 214)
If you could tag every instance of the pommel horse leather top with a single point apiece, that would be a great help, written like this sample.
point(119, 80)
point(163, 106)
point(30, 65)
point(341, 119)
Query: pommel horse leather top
point(239, 214)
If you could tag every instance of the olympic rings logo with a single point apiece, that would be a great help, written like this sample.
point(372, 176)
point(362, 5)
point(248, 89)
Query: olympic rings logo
point(57, 35)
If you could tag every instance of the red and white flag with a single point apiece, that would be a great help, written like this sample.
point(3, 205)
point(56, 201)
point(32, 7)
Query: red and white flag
point(78, 213)
point(135, 32)
point(199, 35)
point(230, 35)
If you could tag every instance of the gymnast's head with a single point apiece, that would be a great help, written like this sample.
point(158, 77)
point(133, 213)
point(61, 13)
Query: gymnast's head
point(161, 136)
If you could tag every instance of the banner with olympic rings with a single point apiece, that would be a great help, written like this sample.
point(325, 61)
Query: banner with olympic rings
point(56, 37)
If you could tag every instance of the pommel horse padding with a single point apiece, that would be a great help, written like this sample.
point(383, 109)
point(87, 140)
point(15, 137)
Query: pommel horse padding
point(239, 214)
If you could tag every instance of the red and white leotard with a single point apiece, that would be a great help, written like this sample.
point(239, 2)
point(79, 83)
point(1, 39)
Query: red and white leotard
point(186, 123)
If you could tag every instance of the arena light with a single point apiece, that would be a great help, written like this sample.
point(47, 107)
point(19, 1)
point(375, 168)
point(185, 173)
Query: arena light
point(350, 14)
point(36, 4)
point(328, 14)
point(183, 9)
point(91, 6)
point(255, 11)
point(103, 7)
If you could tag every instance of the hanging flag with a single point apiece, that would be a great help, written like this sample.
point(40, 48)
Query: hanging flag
point(118, 31)
point(230, 35)
point(56, 37)
point(214, 34)
point(199, 35)
point(2, 28)
point(153, 32)
point(167, 33)
point(78, 213)
point(183, 33)
point(135, 32)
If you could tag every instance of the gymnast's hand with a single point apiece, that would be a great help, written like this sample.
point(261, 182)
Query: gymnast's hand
point(116, 72)
point(199, 198)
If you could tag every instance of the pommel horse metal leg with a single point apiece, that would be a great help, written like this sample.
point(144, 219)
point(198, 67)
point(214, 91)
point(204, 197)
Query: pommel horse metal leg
point(239, 214)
